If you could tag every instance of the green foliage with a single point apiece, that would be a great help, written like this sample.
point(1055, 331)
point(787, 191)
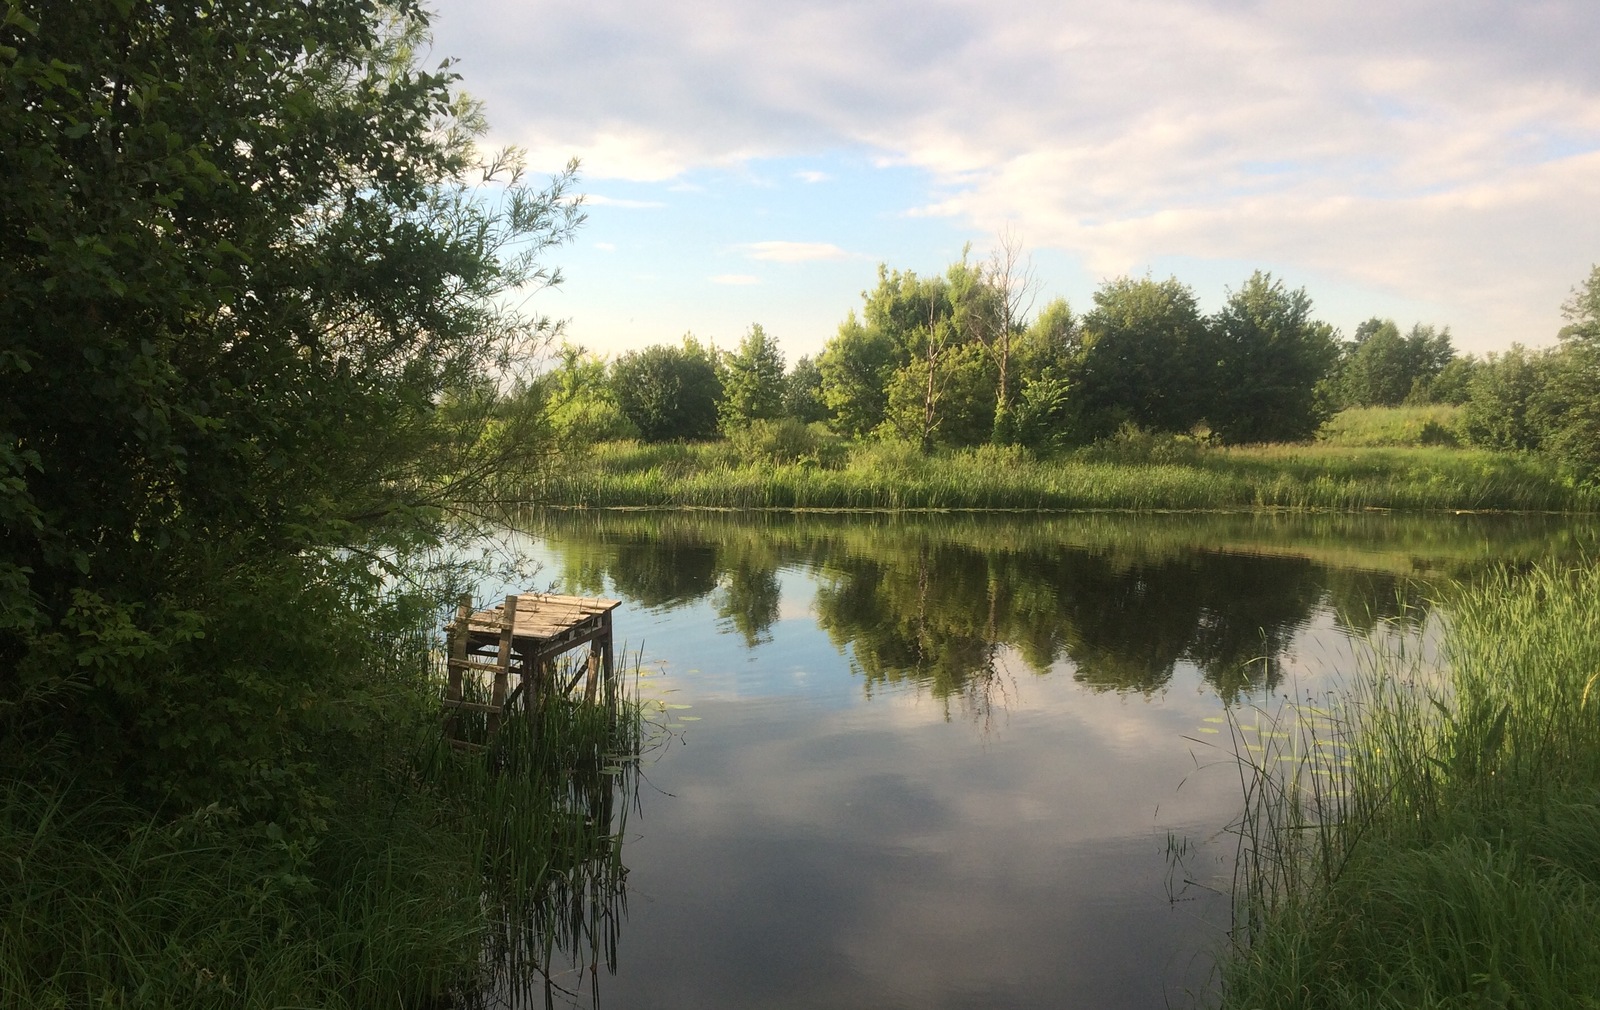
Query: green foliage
point(855, 368)
point(1142, 358)
point(786, 441)
point(802, 393)
point(667, 392)
point(1270, 355)
point(1372, 427)
point(1502, 408)
point(1384, 369)
point(578, 403)
point(252, 315)
point(752, 381)
point(1434, 843)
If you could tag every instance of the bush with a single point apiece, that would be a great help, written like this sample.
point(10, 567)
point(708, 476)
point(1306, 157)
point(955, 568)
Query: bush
point(786, 441)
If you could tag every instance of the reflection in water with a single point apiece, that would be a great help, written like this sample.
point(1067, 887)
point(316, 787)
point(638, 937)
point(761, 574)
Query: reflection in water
point(1123, 600)
point(555, 807)
point(826, 838)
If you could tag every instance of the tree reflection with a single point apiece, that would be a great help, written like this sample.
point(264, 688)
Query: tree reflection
point(1121, 601)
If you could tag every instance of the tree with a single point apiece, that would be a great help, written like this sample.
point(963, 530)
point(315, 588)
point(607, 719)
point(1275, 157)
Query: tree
point(669, 393)
point(1270, 354)
point(1501, 411)
point(1008, 276)
point(1140, 358)
point(252, 321)
point(856, 366)
point(752, 381)
point(802, 392)
point(1384, 369)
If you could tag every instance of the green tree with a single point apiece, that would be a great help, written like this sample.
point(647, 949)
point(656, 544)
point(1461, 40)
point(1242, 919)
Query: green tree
point(855, 367)
point(1502, 407)
point(1141, 357)
point(802, 392)
point(752, 381)
point(667, 392)
point(1384, 369)
point(252, 317)
point(1569, 410)
point(577, 399)
point(1270, 354)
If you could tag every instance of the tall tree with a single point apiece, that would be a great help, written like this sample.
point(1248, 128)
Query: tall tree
point(1141, 357)
point(1269, 356)
point(752, 381)
point(252, 321)
point(669, 393)
point(856, 366)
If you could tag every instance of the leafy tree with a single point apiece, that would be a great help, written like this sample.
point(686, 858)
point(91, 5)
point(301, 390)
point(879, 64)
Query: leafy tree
point(252, 309)
point(668, 392)
point(577, 400)
point(855, 368)
point(1140, 358)
point(1502, 409)
point(1570, 406)
point(752, 381)
point(802, 392)
point(1270, 354)
point(1384, 369)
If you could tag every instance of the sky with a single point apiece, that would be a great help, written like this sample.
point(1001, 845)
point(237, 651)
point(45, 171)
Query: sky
point(1431, 161)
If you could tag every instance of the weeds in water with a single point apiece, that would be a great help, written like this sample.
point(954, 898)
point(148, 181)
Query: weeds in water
point(1428, 840)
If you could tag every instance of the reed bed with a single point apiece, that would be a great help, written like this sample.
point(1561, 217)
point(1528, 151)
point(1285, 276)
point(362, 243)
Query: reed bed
point(1433, 840)
point(1166, 476)
point(438, 879)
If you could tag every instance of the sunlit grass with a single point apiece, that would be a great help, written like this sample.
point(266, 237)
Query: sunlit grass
point(1434, 841)
point(887, 476)
point(1426, 424)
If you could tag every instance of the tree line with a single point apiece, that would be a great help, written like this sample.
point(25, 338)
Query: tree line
point(958, 359)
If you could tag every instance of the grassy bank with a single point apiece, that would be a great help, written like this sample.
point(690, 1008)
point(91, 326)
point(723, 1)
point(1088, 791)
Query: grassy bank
point(1441, 846)
point(432, 877)
point(1141, 475)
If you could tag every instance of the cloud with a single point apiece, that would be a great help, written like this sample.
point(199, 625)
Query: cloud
point(734, 279)
point(1423, 145)
point(596, 200)
point(608, 247)
point(812, 176)
point(794, 252)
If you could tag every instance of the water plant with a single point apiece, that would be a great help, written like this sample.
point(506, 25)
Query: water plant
point(1430, 839)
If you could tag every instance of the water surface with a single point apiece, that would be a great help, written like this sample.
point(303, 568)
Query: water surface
point(944, 762)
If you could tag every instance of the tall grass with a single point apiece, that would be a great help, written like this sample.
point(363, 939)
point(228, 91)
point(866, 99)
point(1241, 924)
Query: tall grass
point(439, 878)
point(1158, 477)
point(1434, 841)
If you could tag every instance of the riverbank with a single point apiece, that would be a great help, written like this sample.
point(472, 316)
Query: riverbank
point(1441, 847)
point(427, 877)
point(1150, 474)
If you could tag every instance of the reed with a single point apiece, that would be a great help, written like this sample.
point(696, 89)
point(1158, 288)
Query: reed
point(438, 877)
point(1433, 840)
point(1192, 477)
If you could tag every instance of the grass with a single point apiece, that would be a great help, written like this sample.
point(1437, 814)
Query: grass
point(438, 876)
point(1434, 841)
point(1368, 427)
point(1159, 474)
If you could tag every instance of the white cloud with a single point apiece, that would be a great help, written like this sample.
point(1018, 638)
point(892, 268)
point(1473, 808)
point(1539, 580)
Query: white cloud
point(813, 176)
point(794, 252)
point(1432, 146)
point(596, 200)
point(734, 279)
point(608, 247)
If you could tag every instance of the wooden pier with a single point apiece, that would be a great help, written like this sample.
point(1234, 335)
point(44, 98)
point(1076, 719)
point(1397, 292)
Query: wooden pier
point(522, 638)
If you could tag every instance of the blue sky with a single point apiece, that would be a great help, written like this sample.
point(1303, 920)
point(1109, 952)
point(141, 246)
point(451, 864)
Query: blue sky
point(1427, 160)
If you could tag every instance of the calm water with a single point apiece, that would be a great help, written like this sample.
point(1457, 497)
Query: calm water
point(932, 763)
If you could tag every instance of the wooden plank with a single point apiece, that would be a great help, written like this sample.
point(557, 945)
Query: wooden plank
point(473, 706)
